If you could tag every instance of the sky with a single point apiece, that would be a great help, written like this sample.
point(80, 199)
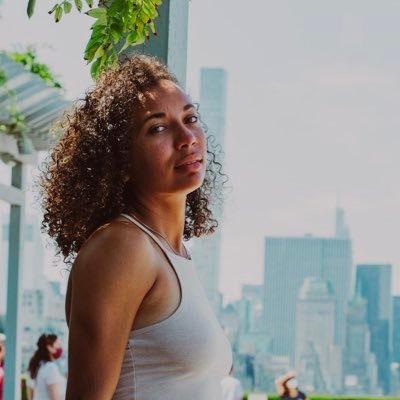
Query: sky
point(312, 116)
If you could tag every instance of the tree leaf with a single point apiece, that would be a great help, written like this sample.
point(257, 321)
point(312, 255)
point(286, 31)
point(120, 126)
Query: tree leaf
point(152, 27)
point(89, 3)
point(31, 7)
point(58, 14)
point(78, 5)
point(117, 28)
point(131, 38)
point(149, 8)
point(98, 31)
point(100, 22)
point(67, 7)
point(99, 12)
point(116, 7)
point(115, 36)
point(144, 17)
point(91, 50)
point(94, 69)
point(96, 41)
point(99, 52)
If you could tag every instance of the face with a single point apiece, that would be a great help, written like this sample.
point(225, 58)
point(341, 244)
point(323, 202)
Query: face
point(292, 383)
point(55, 350)
point(168, 146)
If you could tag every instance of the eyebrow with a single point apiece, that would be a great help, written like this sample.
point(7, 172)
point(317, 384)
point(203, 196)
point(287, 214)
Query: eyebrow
point(161, 114)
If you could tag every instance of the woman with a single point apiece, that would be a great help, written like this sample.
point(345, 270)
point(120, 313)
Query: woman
point(130, 178)
point(2, 354)
point(46, 383)
point(288, 387)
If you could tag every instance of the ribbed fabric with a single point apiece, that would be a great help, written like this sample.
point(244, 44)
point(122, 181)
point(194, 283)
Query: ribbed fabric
point(183, 357)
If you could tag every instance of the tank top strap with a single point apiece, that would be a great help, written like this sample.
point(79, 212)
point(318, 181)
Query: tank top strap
point(148, 231)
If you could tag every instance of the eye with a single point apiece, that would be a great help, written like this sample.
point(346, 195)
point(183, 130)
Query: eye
point(157, 128)
point(192, 119)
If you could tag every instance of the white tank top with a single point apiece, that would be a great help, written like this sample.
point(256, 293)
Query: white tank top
point(183, 357)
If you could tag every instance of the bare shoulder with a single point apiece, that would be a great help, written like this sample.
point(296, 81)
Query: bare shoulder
point(114, 248)
point(117, 262)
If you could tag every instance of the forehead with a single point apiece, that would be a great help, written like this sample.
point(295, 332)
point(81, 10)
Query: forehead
point(166, 94)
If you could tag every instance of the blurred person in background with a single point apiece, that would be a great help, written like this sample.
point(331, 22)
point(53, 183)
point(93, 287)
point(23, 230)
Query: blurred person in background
point(2, 355)
point(46, 382)
point(231, 387)
point(287, 387)
point(130, 179)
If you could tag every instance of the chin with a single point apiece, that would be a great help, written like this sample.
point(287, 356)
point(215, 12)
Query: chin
point(192, 184)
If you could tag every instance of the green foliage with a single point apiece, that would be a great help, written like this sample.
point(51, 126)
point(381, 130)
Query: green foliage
point(15, 124)
point(118, 25)
point(274, 396)
point(3, 77)
point(29, 60)
point(31, 7)
point(16, 121)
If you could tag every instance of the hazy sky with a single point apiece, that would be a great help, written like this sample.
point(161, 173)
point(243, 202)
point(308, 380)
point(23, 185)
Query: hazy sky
point(312, 115)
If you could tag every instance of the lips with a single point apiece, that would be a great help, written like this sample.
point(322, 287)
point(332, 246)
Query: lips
point(189, 160)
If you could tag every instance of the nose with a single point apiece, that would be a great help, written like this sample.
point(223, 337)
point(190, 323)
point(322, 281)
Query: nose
point(185, 137)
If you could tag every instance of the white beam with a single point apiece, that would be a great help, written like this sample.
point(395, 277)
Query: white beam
point(12, 382)
point(11, 194)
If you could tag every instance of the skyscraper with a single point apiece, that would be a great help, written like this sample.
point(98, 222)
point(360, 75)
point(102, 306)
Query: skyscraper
point(254, 295)
point(288, 261)
point(396, 329)
point(315, 325)
point(374, 281)
point(360, 366)
point(206, 250)
point(341, 228)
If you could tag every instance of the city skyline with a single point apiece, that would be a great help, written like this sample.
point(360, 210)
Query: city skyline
point(288, 262)
point(310, 116)
point(307, 259)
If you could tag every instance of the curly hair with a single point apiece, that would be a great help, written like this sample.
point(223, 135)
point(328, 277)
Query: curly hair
point(83, 185)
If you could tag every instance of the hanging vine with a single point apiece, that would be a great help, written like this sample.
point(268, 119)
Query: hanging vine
point(118, 25)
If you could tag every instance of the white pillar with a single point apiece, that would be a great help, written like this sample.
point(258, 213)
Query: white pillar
point(12, 383)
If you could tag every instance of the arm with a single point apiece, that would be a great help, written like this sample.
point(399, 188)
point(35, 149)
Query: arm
point(238, 392)
point(109, 279)
point(29, 392)
point(280, 383)
point(54, 392)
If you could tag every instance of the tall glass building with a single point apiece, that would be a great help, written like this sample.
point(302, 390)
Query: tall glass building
point(288, 262)
point(396, 329)
point(206, 251)
point(374, 281)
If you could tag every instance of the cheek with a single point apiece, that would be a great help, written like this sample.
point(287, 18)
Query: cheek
point(154, 158)
point(202, 141)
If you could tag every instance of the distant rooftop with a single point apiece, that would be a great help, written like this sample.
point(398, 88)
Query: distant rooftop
point(314, 288)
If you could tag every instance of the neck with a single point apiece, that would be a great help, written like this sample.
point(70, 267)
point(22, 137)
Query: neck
point(293, 392)
point(165, 214)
